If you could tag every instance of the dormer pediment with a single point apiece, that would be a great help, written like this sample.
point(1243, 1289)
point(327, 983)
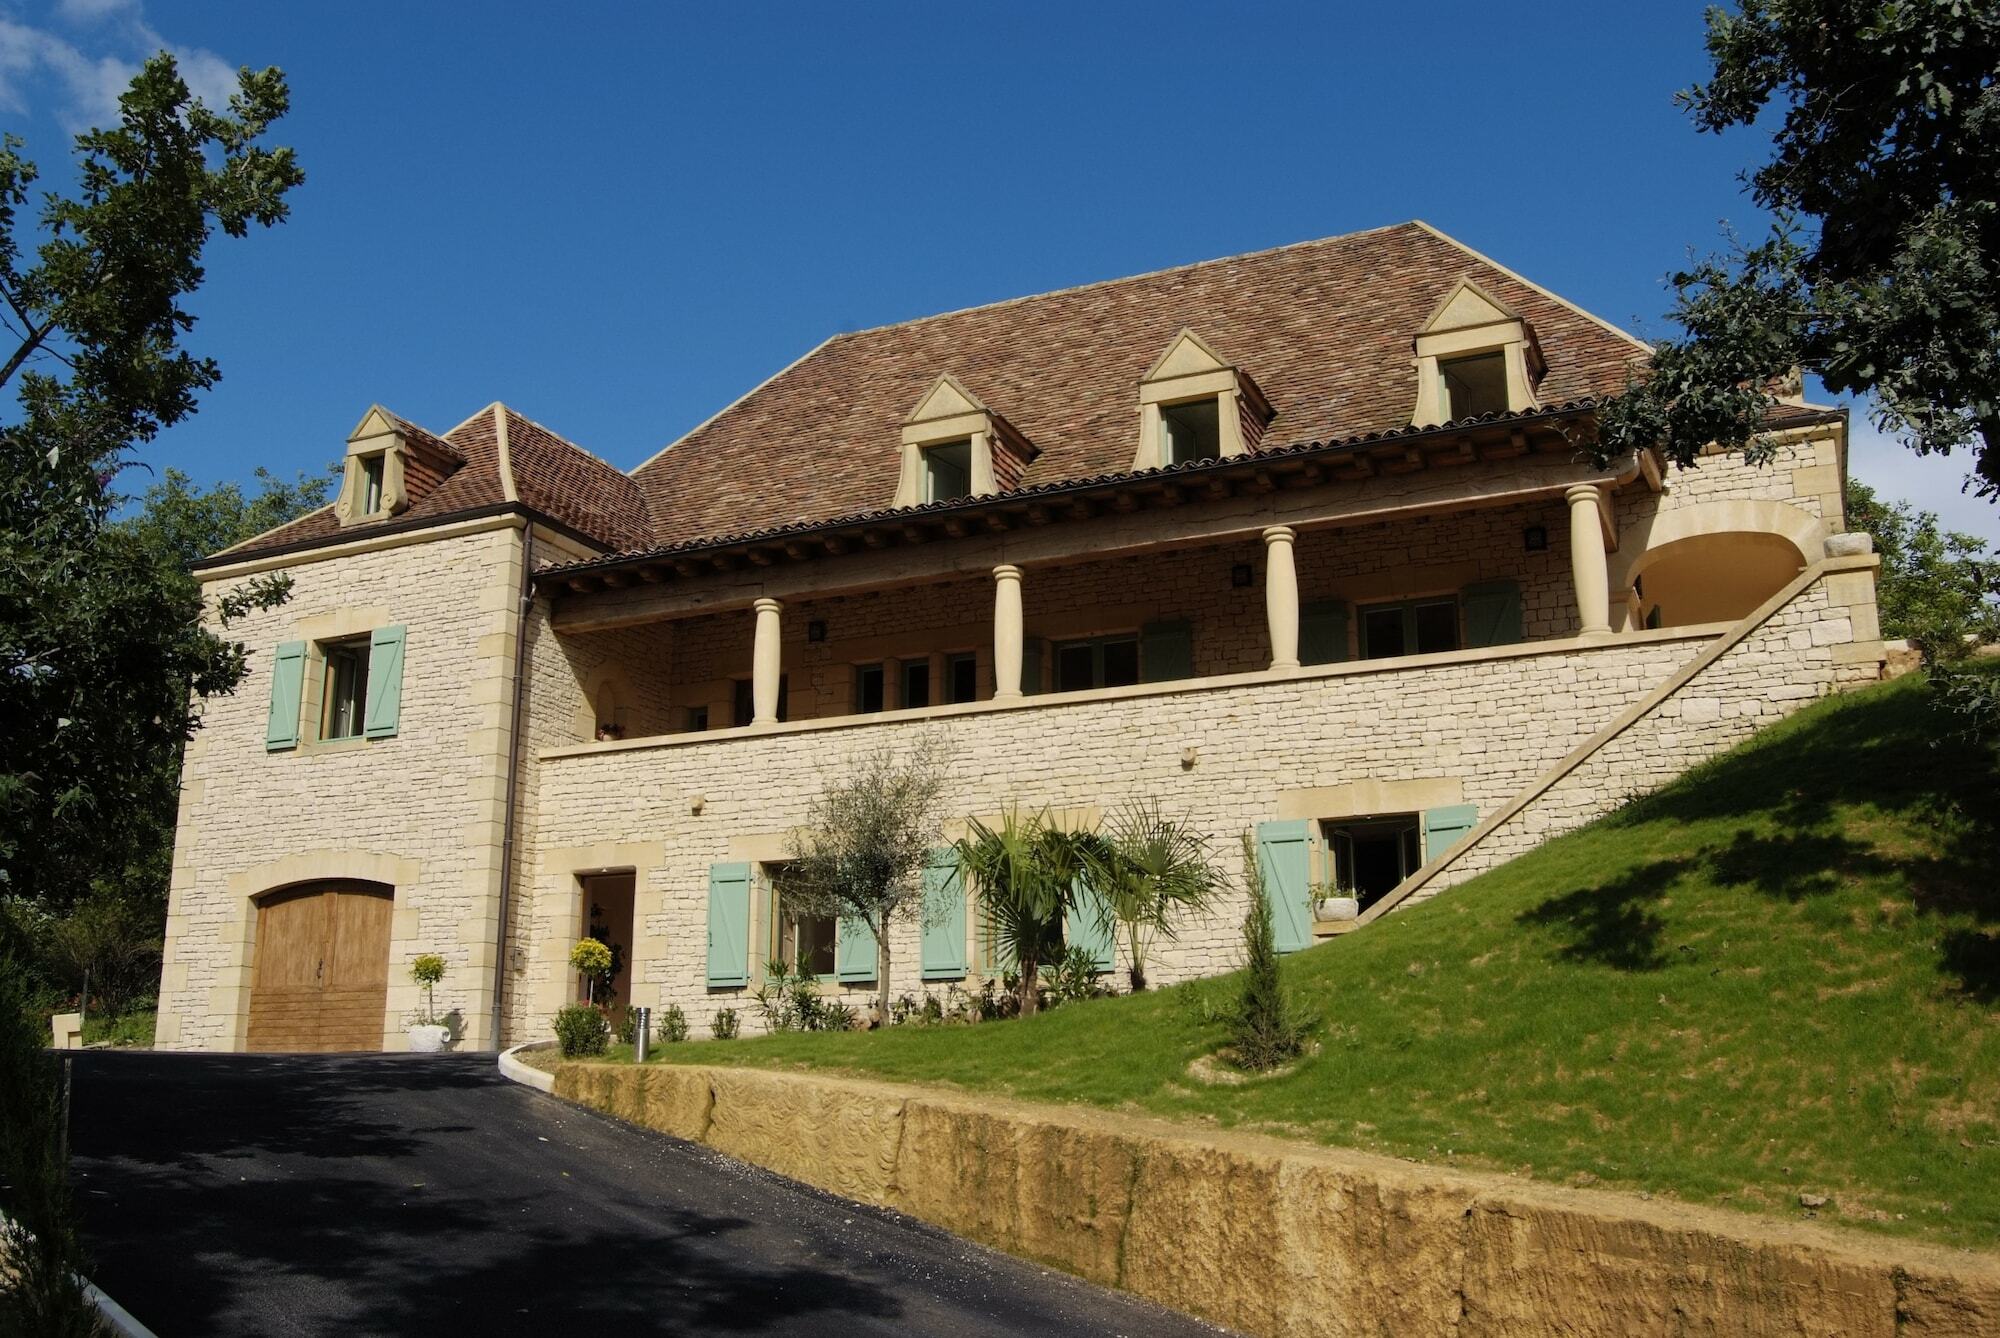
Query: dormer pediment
point(1187, 355)
point(1465, 305)
point(947, 398)
point(377, 422)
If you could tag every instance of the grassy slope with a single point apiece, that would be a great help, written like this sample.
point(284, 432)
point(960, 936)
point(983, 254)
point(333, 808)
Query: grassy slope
point(1780, 975)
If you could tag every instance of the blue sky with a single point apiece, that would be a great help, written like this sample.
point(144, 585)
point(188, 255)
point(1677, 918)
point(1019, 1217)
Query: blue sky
point(619, 218)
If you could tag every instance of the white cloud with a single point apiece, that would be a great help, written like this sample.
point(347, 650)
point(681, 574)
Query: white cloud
point(81, 79)
point(1927, 482)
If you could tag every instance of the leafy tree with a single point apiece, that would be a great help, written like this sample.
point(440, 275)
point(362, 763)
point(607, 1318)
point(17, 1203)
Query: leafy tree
point(1265, 1031)
point(99, 650)
point(861, 851)
point(1027, 873)
point(1879, 274)
point(1148, 870)
point(1934, 585)
point(41, 1258)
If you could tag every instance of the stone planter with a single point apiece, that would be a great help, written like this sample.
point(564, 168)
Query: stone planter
point(1336, 908)
point(429, 1040)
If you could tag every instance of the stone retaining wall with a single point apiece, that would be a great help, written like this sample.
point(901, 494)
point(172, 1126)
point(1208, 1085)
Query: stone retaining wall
point(1276, 1238)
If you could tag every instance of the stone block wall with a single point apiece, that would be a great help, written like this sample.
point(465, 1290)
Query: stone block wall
point(423, 811)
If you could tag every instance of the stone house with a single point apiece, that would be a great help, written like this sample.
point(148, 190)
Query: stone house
point(1304, 543)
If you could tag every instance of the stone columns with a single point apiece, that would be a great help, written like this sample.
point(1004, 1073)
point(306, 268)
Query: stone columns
point(1586, 560)
point(764, 665)
point(1281, 596)
point(1006, 633)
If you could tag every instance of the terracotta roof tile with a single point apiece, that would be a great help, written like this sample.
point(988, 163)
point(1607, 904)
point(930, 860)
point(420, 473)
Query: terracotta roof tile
point(1325, 328)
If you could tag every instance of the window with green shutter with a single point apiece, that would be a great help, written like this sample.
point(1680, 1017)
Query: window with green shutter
point(288, 676)
point(385, 682)
point(854, 954)
point(1284, 858)
point(1323, 632)
point(1166, 651)
point(728, 925)
point(1089, 926)
point(1492, 613)
point(944, 916)
point(1445, 827)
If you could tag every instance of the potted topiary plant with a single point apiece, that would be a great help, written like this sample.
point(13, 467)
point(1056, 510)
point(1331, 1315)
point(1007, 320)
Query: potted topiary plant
point(428, 1036)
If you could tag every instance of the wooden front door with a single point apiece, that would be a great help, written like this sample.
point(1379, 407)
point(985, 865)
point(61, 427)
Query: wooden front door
point(321, 979)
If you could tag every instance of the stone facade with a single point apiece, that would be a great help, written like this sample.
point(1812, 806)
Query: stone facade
point(1531, 732)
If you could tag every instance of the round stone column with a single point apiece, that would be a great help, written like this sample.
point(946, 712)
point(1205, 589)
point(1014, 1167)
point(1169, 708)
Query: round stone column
point(1586, 561)
point(1281, 595)
point(764, 664)
point(1006, 633)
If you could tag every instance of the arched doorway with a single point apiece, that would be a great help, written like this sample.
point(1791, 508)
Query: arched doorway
point(1713, 578)
point(321, 977)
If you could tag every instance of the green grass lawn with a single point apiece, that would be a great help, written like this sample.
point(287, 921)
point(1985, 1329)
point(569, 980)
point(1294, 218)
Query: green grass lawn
point(134, 1028)
point(1779, 976)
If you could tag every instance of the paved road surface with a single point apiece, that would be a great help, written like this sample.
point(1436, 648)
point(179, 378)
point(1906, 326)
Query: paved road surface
point(227, 1194)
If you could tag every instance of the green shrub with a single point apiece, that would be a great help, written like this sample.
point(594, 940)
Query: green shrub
point(673, 1027)
point(723, 1025)
point(427, 970)
point(1265, 1033)
point(582, 1030)
point(1074, 977)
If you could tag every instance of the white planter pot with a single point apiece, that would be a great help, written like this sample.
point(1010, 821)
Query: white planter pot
point(429, 1040)
point(1337, 908)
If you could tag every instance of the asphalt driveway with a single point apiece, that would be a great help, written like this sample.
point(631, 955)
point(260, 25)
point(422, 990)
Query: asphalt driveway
point(428, 1195)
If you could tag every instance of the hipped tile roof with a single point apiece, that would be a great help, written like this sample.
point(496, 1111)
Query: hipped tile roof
point(1324, 327)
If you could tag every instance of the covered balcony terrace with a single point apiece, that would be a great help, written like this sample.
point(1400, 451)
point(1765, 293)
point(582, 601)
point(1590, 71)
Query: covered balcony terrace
point(1402, 548)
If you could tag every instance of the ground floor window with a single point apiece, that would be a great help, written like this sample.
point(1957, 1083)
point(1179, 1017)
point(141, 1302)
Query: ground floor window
point(1101, 662)
point(798, 938)
point(1413, 627)
point(1366, 858)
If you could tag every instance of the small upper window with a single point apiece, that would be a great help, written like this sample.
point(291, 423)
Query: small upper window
point(346, 703)
point(961, 677)
point(371, 483)
point(1474, 385)
point(1422, 627)
point(868, 684)
point(1103, 662)
point(948, 471)
point(916, 684)
point(1191, 431)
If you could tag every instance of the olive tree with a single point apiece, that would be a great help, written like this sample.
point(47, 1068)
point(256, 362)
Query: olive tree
point(861, 851)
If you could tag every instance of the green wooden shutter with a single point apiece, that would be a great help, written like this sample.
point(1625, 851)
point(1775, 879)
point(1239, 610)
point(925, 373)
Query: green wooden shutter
point(1492, 613)
point(1089, 926)
point(728, 925)
point(1323, 632)
point(385, 682)
point(288, 676)
point(1284, 857)
point(854, 956)
point(944, 917)
point(1166, 651)
point(1446, 827)
point(1031, 665)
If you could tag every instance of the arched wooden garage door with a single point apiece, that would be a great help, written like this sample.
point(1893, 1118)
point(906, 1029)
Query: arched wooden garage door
point(321, 980)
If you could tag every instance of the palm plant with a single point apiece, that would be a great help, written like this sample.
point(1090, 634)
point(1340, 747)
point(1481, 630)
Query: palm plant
point(1027, 872)
point(1147, 871)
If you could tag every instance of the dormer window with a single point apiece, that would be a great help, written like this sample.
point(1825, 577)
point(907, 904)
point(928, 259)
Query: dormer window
point(1474, 385)
point(1193, 405)
point(1191, 431)
point(954, 446)
point(373, 468)
point(1475, 356)
point(948, 470)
